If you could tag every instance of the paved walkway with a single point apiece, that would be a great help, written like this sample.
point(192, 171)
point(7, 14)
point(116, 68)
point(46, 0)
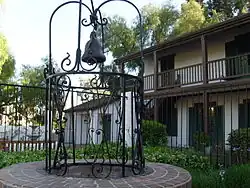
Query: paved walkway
point(28, 175)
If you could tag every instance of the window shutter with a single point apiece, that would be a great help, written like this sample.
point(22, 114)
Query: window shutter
point(242, 115)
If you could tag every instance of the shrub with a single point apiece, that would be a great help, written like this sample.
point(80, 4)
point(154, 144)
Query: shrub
point(95, 151)
point(186, 158)
point(239, 140)
point(208, 179)
point(201, 139)
point(9, 158)
point(238, 176)
point(154, 133)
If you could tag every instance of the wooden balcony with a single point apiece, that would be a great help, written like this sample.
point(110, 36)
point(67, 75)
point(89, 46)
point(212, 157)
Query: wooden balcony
point(219, 70)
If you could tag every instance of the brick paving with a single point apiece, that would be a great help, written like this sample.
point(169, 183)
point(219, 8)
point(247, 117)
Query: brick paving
point(28, 175)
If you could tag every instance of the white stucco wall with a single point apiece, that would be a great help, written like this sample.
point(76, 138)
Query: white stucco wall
point(148, 65)
point(191, 54)
point(230, 103)
point(82, 127)
point(130, 118)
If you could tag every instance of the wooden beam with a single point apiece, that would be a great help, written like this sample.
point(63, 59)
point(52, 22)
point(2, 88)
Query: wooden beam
point(156, 109)
point(205, 81)
point(156, 68)
point(205, 111)
point(204, 58)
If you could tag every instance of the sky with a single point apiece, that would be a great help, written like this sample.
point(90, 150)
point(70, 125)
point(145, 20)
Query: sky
point(25, 24)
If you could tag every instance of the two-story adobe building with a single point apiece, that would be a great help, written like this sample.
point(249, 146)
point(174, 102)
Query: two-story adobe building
point(199, 82)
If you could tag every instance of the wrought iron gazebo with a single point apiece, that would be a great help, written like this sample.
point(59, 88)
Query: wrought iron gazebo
point(100, 156)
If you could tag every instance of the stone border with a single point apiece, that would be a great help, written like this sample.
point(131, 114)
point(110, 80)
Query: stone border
point(26, 175)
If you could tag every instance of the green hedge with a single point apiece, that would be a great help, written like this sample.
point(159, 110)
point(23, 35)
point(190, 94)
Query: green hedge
point(206, 179)
point(233, 177)
point(185, 158)
point(9, 158)
point(154, 133)
point(239, 140)
point(238, 176)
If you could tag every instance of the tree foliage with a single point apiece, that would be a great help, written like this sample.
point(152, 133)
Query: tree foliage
point(32, 75)
point(192, 18)
point(122, 39)
point(227, 8)
point(157, 23)
point(32, 95)
point(26, 101)
point(7, 61)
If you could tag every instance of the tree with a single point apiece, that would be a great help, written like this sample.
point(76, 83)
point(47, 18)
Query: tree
point(194, 16)
point(241, 6)
point(227, 8)
point(32, 75)
point(157, 23)
point(33, 93)
point(191, 18)
point(7, 64)
point(122, 39)
point(7, 61)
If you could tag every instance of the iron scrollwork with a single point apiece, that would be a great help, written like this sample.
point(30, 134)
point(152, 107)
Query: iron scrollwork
point(60, 94)
point(61, 156)
point(137, 160)
point(100, 153)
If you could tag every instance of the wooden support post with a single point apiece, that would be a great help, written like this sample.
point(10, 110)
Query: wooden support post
point(205, 111)
point(205, 81)
point(155, 71)
point(204, 58)
point(156, 103)
point(156, 109)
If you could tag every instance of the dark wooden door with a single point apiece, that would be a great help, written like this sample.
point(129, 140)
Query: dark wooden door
point(216, 124)
point(196, 124)
point(244, 114)
point(107, 126)
point(230, 50)
point(166, 64)
point(240, 65)
point(168, 115)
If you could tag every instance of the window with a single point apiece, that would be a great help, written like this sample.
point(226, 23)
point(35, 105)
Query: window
point(239, 46)
point(168, 115)
point(215, 122)
point(244, 114)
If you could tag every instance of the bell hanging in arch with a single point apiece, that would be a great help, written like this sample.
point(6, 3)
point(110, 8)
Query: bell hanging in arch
point(93, 51)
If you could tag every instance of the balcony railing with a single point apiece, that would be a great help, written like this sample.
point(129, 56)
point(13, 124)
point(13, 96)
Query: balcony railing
point(218, 70)
point(229, 68)
point(148, 82)
point(182, 76)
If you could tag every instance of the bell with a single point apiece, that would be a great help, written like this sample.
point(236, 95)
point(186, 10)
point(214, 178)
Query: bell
point(93, 51)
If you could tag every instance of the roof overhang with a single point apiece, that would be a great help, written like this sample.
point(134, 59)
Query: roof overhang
point(188, 37)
